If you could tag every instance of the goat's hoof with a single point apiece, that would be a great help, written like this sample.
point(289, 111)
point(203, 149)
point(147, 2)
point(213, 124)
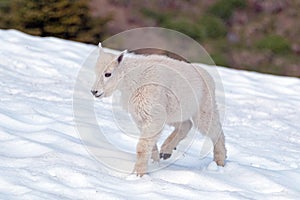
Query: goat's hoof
point(165, 156)
point(140, 170)
point(220, 163)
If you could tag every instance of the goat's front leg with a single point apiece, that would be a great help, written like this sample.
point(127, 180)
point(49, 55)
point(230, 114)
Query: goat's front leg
point(150, 132)
point(144, 150)
point(150, 117)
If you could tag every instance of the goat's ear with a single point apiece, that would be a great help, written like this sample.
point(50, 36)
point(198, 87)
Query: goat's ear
point(121, 56)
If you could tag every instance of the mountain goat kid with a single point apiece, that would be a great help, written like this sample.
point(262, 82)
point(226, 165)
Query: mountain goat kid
point(158, 90)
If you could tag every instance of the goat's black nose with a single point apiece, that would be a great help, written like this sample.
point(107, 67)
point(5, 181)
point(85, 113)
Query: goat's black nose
point(94, 92)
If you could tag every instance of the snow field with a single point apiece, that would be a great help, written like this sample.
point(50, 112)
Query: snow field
point(43, 157)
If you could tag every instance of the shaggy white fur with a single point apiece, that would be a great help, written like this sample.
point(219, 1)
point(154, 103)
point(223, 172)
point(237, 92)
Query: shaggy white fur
point(157, 90)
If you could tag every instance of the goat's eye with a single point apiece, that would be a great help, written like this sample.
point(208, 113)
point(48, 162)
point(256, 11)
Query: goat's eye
point(107, 74)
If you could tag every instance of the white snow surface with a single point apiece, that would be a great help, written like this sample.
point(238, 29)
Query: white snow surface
point(43, 157)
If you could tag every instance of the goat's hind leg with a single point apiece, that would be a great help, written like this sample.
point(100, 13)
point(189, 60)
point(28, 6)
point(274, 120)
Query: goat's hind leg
point(180, 132)
point(155, 154)
point(209, 124)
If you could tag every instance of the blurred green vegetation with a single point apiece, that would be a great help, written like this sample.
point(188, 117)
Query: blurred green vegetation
point(243, 34)
point(68, 19)
point(213, 27)
point(207, 26)
point(168, 20)
point(255, 35)
point(225, 8)
point(275, 43)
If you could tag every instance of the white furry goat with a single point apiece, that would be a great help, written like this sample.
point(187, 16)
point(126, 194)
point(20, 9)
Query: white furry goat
point(157, 90)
